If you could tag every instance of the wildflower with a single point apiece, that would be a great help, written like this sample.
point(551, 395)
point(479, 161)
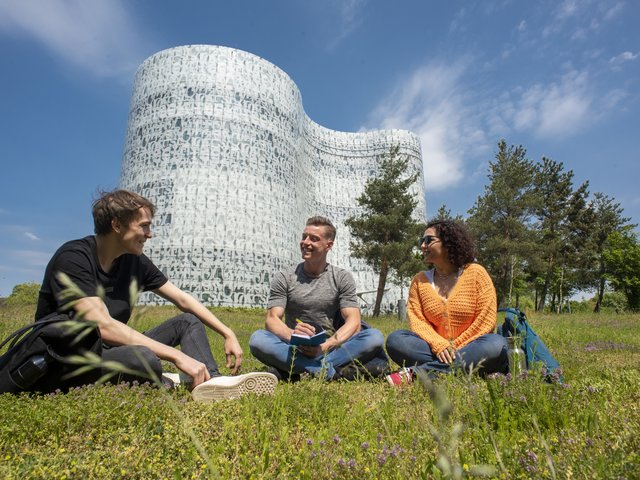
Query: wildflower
point(309, 442)
point(341, 462)
point(395, 450)
point(365, 445)
point(351, 463)
point(336, 439)
point(379, 437)
point(382, 459)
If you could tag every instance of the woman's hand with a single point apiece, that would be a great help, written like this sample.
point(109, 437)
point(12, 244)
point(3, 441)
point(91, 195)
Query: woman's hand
point(447, 356)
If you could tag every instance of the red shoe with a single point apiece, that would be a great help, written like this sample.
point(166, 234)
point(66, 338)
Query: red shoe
point(404, 376)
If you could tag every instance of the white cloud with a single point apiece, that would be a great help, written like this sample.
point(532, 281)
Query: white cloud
point(617, 61)
point(555, 109)
point(96, 35)
point(31, 236)
point(349, 19)
point(430, 103)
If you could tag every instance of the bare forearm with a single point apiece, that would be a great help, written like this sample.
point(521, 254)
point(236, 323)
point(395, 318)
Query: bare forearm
point(275, 325)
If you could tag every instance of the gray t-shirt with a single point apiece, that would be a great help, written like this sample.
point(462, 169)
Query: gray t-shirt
point(312, 299)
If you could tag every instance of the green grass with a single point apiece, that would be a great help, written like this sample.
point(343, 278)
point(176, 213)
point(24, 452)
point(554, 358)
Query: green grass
point(521, 428)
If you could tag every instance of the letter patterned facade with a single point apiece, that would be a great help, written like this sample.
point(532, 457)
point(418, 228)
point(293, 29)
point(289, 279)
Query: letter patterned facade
point(218, 139)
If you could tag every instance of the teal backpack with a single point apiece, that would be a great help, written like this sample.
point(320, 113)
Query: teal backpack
point(536, 352)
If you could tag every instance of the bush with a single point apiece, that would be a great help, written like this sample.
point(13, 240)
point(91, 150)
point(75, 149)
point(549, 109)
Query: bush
point(614, 301)
point(24, 294)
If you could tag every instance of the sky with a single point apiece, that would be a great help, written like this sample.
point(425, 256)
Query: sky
point(559, 77)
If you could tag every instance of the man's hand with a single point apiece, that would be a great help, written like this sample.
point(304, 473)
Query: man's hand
point(447, 356)
point(304, 329)
point(233, 351)
point(195, 369)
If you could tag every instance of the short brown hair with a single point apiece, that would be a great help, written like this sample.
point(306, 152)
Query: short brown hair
point(319, 221)
point(120, 205)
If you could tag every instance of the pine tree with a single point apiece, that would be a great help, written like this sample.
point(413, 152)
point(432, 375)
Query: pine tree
point(385, 233)
point(500, 220)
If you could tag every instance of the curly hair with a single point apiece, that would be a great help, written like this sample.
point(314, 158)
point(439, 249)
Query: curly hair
point(457, 239)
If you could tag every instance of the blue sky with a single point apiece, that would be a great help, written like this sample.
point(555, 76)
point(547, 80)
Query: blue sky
point(558, 77)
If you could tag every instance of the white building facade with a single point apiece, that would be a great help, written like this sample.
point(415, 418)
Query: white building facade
point(219, 141)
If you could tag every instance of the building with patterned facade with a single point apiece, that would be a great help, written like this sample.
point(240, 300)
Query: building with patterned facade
point(218, 139)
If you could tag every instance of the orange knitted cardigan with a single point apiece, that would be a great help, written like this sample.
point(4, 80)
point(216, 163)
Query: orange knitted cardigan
point(468, 313)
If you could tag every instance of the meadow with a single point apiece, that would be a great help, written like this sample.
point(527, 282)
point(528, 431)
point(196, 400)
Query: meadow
point(455, 427)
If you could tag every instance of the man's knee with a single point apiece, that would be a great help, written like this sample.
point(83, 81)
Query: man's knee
point(373, 337)
point(137, 358)
point(257, 341)
point(189, 320)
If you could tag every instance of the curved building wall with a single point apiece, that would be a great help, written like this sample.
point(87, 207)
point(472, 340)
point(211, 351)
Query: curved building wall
point(218, 139)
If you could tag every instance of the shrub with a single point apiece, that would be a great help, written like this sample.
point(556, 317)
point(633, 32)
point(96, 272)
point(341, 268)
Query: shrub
point(24, 294)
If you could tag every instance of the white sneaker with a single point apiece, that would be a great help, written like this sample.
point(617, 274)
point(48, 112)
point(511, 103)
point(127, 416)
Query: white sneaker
point(221, 388)
point(175, 379)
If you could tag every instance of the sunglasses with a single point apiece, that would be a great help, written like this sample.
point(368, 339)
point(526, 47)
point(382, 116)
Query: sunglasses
point(427, 240)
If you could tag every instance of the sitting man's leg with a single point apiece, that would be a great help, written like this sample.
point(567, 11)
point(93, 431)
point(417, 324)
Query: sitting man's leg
point(362, 349)
point(274, 352)
point(140, 363)
point(188, 332)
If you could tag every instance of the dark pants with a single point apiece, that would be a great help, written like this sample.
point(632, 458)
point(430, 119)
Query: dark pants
point(184, 330)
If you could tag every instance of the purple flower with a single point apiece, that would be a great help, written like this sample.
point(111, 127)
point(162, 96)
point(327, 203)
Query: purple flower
point(341, 462)
point(309, 441)
point(336, 439)
point(365, 445)
point(351, 463)
point(382, 459)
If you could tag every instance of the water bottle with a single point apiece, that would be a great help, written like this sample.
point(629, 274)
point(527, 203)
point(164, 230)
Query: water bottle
point(30, 371)
point(517, 360)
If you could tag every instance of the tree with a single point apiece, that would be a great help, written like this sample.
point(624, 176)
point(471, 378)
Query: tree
point(24, 294)
point(385, 233)
point(444, 213)
point(607, 218)
point(621, 257)
point(500, 220)
point(555, 201)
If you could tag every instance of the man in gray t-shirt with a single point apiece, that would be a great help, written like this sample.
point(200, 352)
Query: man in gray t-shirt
point(310, 297)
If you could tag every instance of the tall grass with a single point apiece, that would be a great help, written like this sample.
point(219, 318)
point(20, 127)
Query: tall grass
point(508, 428)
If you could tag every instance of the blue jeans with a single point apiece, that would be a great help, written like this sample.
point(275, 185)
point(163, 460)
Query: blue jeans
point(487, 353)
point(185, 330)
point(275, 352)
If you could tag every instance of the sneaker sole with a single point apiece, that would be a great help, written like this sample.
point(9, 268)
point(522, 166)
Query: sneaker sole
point(258, 383)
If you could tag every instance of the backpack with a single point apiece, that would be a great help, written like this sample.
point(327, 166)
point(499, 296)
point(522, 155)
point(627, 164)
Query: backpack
point(535, 351)
point(37, 359)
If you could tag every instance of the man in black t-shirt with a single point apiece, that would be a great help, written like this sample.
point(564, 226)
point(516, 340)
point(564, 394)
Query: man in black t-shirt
point(103, 267)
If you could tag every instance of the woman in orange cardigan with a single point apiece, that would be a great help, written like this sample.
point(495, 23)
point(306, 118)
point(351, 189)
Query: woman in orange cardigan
point(451, 309)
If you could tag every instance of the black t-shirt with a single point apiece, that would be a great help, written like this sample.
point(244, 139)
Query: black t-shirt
point(79, 260)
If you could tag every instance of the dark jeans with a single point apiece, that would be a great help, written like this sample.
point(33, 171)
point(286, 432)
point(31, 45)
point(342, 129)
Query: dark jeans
point(184, 330)
point(487, 353)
